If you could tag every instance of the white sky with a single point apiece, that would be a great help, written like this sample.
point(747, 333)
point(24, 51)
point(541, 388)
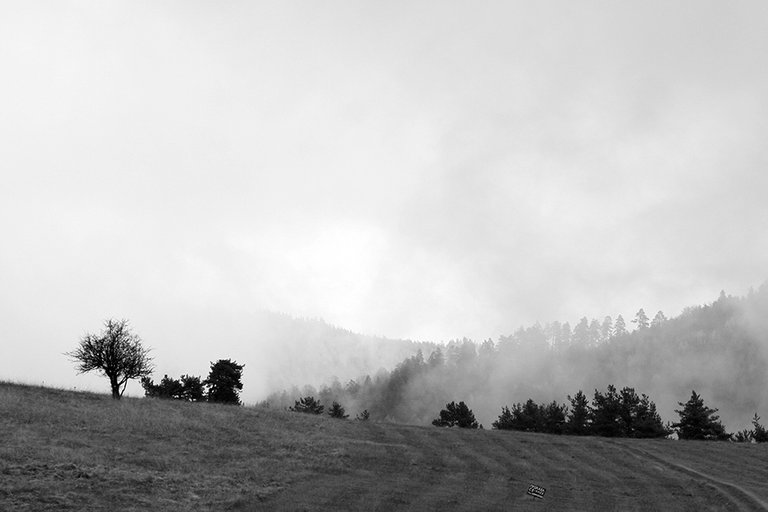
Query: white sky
point(428, 170)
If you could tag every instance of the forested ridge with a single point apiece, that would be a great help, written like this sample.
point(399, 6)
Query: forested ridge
point(719, 349)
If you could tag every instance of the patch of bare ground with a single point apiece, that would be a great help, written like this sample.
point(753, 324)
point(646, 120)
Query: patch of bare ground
point(73, 451)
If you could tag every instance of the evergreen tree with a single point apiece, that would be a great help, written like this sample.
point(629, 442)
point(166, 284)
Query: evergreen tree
point(436, 359)
point(594, 332)
point(605, 413)
point(187, 388)
point(307, 405)
point(577, 422)
point(760, 435)
point(647, 422)
point(337, 411)
point(363, 416)
point(224, 381)
point(641, 319)
point(506, 421)
point(659, 319)
point(456, 415)
point(529, 417)
point(697, 421)
point(553, 418)
point(581, 333)
point(606, 329)
point(192, 388)
point(619, 328)
point(628, 403)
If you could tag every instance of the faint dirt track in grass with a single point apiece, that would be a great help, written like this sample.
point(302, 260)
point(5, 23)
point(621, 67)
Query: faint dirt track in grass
point(739, 497)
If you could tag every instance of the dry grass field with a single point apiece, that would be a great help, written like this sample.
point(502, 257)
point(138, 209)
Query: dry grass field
point(64, 450)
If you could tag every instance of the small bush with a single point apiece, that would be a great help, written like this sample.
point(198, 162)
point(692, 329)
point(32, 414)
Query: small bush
point(337, 411)
point(307, 405)
point(745, 436)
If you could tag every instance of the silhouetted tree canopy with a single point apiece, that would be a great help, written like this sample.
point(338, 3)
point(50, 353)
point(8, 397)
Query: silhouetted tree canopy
point(613, 414)
point(697, 421)
point(117, 353)
point(759, 434)
point(224, 381)
point(307, 405)
point(456, 415)
point(337, 411)
point(188, 388)
point(578, 417)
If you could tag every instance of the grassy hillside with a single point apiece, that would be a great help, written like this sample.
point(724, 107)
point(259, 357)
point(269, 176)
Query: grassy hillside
point(74, 451)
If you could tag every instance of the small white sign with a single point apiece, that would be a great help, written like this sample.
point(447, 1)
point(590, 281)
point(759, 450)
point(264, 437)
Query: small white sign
point(536, 491)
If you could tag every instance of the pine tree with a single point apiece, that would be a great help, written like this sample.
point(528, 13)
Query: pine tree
point(697, 421)
point(647, 421)
point(578, 418)
point(659, 319)
point(553, 418)
point(224, 381)
point(620, 327)
point(307, 405)
point(605, 413)
point(456, 415)
point(337, 411)
point(581, 333)
point(760, 435)
point(505, 421)
point(641, 319)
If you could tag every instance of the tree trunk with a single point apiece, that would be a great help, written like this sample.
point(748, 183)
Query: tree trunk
point(115, 387)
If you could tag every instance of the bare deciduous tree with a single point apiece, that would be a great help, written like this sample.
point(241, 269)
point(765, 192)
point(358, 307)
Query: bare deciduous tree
point(116, 352)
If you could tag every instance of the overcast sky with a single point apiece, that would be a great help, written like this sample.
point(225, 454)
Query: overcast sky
point(428, 170)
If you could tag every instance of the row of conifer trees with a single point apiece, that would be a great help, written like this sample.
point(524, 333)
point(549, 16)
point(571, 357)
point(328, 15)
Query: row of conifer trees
point(611, 414)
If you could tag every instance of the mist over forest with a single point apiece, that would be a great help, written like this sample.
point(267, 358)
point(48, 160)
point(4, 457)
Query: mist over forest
point(719, 349)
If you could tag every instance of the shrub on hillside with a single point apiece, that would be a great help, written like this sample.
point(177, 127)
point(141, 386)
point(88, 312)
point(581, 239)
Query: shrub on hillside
point(192, 388)
point(456, 415)
point(363, 416)
point(337, 411)
point(744, 436)
point(188, 388)
point(307, 405)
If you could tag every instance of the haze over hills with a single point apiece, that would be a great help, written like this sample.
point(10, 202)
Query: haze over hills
point(719, 349)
